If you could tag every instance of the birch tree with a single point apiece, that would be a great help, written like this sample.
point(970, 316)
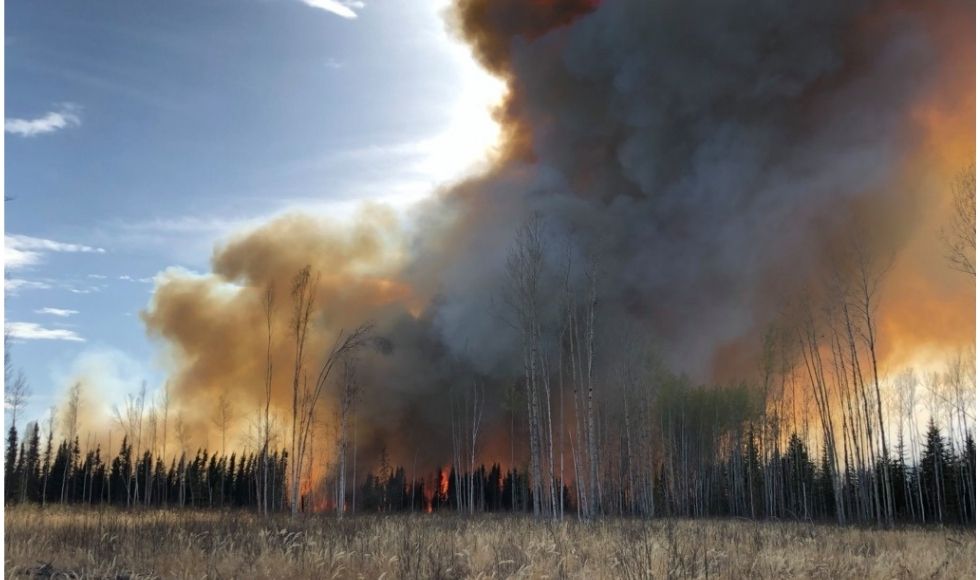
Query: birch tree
point(303, 292)
point(268, 304)
point(961, 236)
point(524, 270)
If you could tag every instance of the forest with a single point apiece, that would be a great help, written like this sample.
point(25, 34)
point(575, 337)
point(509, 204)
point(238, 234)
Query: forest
point(817, 437)
point(936, 487)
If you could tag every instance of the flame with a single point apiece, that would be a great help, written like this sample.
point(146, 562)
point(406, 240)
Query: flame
point(443, 482)
point(324, 504)
point(440, 490)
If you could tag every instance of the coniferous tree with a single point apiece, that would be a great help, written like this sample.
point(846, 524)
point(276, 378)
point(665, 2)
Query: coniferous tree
point(800, 478)
point(10, 474)
point(30, 470)
point(46, 466)
point(935, 473)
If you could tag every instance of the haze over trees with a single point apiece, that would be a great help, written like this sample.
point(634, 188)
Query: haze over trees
point(596, 425)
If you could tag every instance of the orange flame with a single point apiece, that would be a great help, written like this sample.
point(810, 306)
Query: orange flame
point(443, 482)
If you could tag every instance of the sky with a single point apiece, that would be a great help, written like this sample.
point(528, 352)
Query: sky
point(139, 135)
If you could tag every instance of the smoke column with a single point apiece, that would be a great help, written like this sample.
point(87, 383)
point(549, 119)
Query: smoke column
point(714, 158)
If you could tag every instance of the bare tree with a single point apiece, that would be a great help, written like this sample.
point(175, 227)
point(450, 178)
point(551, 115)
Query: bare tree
point(591, 434)
point(813, 360)
point(44, 486)
point(478, 399)
point(152, 426)
point(183, 438)
point(165, 410)
point(306, 395)
point(15, 396)
point(957, 396)
point(16, 391)
point(348, 394)
point(130, 420)
point(961, 237)
point(871, 273)
point(70, 426)
point(223, 417)
point(269, 306)
point(524, 269)
point(303, 293)
point(578, 337)
point(511, 404)
point(346, 344)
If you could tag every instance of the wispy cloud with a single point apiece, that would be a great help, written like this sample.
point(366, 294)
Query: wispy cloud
point(128, 278)
point(21, 251)
point(14, 285)
point(342, 8)
point(34, 331)
point(62, 312)
point(66, 116)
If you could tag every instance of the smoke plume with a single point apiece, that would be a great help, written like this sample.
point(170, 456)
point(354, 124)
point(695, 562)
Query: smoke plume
point(715, 159)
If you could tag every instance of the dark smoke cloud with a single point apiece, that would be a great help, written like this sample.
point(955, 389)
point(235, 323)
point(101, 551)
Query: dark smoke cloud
point(713, 151)
point(711, 155)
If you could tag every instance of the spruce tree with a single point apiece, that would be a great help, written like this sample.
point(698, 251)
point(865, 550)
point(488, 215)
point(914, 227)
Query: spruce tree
point(935, 468)
point(10, 474)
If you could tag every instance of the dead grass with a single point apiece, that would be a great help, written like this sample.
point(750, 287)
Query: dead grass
point(75, 543)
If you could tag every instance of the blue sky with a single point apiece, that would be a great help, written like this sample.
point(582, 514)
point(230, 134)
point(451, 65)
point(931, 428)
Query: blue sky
point(139, 135)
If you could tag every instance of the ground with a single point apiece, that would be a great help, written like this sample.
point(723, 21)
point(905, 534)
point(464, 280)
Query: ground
point(78, 543)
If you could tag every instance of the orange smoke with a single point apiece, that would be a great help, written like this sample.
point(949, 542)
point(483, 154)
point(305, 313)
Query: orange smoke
point(928, 309)
point(214, 325)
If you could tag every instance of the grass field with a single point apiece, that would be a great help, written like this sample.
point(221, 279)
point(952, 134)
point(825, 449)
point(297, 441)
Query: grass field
point(75, 543)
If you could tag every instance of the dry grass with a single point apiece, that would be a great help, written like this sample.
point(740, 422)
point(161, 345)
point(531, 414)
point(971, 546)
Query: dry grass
point(161, 544)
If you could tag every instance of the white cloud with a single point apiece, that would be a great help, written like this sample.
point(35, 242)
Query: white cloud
point(96, 276)
point(13, 285)
point(53, 121)
point(62, 312)
point(34, 331)
point(129, 278)
point(342, 8)
point(21, 251)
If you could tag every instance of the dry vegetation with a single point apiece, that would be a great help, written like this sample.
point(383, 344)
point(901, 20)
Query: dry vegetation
point(160, 544)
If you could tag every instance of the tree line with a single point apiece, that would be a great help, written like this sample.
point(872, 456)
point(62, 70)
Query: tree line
point(795, 484)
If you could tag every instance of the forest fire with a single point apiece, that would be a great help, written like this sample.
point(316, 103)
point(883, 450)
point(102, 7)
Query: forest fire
point(498, 289)
point(619, 254)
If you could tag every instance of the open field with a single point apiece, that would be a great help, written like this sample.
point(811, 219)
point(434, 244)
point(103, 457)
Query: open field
point(150, 544)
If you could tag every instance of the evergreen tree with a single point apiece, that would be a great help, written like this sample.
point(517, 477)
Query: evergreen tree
point(10, 475)
point(31, 469)
point(799, 478)
point(46, 466)
point(935, 473)
point(825, 505)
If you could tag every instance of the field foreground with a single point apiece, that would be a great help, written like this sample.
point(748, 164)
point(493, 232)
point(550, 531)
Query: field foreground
point(66, 543)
